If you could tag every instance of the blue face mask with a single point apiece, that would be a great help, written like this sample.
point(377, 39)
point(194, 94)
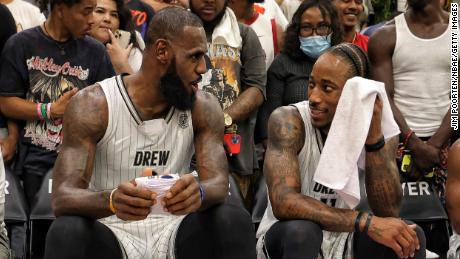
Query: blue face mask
point(314, 46)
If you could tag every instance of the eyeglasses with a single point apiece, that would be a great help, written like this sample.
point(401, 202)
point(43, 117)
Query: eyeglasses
point(321, 30)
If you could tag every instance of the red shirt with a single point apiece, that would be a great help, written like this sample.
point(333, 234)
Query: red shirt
point(361, 41)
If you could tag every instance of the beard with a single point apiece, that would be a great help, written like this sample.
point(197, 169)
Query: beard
point(209, 26)
point(173, 89)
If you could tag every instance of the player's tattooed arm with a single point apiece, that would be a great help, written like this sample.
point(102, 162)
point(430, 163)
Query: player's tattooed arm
point(85, 121)
point(286, 136)
point(382, 180)
point(212, 164)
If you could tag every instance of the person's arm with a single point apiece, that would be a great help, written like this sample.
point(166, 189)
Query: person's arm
point(9, 144)
point(74, 165)
point(184, 195)
point(21, 109)
point(453, 186)
point(253, 77)
point(381, 48)
point(246, 103)
point(286, 136)
point(383, 189)
point(443, 134)
point(209, 149)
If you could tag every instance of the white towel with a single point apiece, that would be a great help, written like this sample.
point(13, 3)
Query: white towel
point(227, 31)
point(344, 150)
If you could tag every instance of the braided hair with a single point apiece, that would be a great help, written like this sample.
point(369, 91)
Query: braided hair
point(353, 55)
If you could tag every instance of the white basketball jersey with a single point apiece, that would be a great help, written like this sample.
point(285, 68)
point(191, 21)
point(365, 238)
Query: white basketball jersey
point(334, 243)
point(130, 144)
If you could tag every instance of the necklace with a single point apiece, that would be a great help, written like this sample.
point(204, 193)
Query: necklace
point(61, 48)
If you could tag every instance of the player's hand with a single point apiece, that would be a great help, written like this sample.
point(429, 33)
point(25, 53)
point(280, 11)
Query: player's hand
point(132, 203)
point(183, 197)
point(375, 129)
point(58, 107)
point(395, 234)
point(425, 156)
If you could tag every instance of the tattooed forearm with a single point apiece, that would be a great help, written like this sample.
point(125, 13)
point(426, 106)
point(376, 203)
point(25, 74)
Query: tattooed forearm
point(286, 136)
point(209, 150)
point(246, 103)
point(382, 181)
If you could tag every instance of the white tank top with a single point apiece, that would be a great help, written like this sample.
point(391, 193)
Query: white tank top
point(129, 144)
point(264, 30)
point(421, 72)
point(334, 243)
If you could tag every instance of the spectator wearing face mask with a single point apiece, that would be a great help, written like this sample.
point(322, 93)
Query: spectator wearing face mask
point(314, 28)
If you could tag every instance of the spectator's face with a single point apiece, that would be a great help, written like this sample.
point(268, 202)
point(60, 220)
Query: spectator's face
point(349, 11)
point(105, 18)
point(78, 18)
point(327, 80)
point(207, 10)
point(312, 18)
point(180, 82)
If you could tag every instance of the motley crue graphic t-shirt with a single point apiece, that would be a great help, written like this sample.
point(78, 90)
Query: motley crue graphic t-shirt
point(40, 70)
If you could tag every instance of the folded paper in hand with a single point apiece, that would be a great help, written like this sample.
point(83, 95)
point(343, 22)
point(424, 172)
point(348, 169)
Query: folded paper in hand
point(159, 184)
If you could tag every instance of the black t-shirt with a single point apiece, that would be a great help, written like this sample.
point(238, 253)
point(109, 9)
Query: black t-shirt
point(7, 28)
point(142, 14)
point(40, 70)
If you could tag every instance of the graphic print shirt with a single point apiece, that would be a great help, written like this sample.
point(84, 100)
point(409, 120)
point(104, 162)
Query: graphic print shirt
point(40, 70)
point(231, 72)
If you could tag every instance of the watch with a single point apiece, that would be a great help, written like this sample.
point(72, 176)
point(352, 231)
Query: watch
point(228, 121)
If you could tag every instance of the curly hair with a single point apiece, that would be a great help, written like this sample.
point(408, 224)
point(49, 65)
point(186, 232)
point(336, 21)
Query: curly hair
point(291, 37)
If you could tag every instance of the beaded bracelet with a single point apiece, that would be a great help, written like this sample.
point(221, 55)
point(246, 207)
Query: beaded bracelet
point(408, 135)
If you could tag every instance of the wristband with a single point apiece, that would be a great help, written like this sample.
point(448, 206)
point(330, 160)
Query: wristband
point(48, 111)
point(43, 109)
point(112, 208)
point(357, 220)
point(408, 135)
point(39, 111)
point(368, 222)
point(375, 147)
point(201, 193)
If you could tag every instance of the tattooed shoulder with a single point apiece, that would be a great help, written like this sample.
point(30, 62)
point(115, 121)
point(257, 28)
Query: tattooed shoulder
point(286, 129)
point(86, 115)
